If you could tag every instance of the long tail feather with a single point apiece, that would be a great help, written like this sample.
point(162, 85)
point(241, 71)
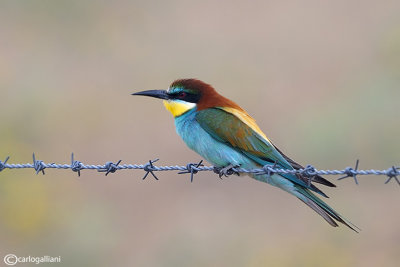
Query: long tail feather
point(329, 214)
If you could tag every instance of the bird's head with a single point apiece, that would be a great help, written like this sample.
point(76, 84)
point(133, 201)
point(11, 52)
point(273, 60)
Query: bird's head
point(187, 94)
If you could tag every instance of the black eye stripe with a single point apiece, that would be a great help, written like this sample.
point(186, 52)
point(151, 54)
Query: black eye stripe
point(186, 96)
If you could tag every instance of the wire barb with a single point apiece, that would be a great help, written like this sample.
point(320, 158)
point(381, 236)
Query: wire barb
point(38, 165)
point(3, 164)
point(309, 172)
point(110, 167)
point(149, 168)
point(76, 166)
point(192, 169)
point(350, 172)
point(392, 174)
point(269, 170)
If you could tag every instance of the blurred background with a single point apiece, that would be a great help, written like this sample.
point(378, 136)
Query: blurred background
point(321, 78)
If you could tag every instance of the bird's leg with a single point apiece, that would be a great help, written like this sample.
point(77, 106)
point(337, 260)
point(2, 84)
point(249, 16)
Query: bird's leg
point(226, 171)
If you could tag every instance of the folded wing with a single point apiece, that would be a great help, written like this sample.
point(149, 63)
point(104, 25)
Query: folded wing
point(237, 129)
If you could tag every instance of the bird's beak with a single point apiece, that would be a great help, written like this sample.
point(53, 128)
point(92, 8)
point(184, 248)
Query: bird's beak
point(154, 93)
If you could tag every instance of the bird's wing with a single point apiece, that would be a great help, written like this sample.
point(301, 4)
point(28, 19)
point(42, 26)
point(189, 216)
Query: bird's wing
point(239, 130)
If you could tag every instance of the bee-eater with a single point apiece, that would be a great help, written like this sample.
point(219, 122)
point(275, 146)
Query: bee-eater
point(226, 136)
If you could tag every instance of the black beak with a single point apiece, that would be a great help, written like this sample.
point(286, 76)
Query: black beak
point(154, 93)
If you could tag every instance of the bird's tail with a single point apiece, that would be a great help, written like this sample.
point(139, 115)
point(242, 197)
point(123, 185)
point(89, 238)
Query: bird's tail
point(329, 214)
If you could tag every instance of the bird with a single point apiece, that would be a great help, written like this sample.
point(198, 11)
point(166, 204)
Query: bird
point(226, 136)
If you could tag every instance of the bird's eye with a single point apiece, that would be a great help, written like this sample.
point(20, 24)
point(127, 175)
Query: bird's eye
point(182, 95)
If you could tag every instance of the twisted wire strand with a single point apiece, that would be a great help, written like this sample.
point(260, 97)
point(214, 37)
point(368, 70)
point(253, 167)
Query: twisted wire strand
point(193, 168)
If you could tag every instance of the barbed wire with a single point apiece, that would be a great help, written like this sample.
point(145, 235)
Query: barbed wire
point(193, 168)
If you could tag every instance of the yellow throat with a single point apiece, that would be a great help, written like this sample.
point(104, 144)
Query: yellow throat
point(178, 107)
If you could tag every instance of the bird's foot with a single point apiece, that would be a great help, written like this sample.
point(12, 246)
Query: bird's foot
point(226, 171)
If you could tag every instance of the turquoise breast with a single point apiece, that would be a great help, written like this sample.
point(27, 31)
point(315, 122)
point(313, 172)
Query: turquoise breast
point(196, 138)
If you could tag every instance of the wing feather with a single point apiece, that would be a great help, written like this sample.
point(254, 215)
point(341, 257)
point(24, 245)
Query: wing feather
point(241, 132)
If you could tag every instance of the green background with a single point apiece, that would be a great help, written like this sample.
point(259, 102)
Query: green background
point(322, 79)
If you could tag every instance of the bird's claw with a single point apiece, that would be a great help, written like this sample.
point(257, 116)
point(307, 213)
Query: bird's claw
point(226, 171)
